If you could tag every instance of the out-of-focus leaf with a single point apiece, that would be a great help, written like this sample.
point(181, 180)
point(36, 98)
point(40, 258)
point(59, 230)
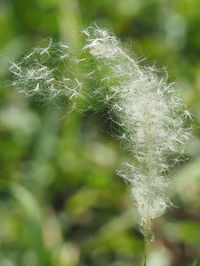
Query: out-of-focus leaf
point(198, 262)
point(32, 222)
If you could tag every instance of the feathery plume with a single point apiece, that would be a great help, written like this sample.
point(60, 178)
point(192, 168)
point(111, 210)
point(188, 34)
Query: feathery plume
point(152, 117)
point(48, 73)
point(148, 110)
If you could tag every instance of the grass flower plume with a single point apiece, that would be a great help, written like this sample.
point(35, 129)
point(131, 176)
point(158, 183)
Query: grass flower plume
point(41, 73)
point(152, 117)
point(149, 112)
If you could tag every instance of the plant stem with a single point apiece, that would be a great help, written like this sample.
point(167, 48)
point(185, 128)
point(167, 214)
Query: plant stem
point(145, 251)
point(147, 235)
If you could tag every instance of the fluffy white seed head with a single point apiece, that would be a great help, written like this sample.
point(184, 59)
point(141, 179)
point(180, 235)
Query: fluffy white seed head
point(149, 112)
point(152, 116)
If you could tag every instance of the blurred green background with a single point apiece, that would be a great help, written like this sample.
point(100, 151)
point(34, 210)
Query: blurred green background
point(61, 202)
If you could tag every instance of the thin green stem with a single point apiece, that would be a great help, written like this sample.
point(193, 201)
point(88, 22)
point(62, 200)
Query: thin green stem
point(147, 235)
point(146, 243)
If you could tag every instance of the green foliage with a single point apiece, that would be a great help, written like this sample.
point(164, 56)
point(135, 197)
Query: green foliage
point(61, 202)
